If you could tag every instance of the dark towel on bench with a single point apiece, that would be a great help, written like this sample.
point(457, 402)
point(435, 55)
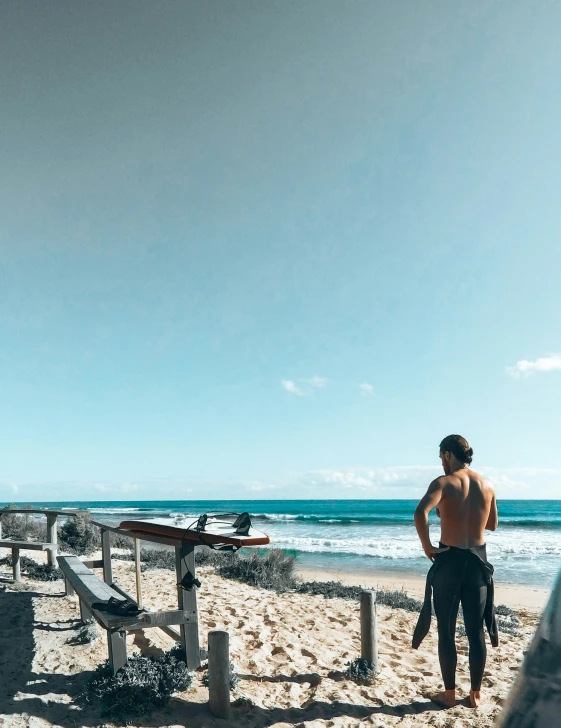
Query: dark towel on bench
point(119, 607)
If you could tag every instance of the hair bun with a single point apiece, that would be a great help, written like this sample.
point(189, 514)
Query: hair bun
point(459, 447)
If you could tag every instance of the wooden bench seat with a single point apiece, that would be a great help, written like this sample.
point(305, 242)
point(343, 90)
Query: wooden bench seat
point(17, 546)
point(90, 589)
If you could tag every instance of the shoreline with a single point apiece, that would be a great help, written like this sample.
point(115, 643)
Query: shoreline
point(513, 595)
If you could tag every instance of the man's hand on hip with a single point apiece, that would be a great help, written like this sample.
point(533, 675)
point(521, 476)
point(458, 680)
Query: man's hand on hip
point(432, 551)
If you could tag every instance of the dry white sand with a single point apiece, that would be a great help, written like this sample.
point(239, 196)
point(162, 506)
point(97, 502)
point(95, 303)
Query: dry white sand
point(289, 650)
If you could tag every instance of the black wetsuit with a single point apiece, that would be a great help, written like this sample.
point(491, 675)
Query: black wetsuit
point(460, 576)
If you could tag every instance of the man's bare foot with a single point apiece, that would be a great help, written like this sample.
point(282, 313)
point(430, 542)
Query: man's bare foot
point(447, 698)
point(475, 698)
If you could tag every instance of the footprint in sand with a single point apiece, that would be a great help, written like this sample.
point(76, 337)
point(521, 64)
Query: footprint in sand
point(307, 653)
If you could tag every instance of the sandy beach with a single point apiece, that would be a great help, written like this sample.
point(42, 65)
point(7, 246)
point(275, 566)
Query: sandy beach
point(289, 650)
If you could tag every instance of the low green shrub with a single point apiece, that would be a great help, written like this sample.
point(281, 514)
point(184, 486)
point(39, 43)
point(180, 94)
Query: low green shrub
point(272, 570)
point(79, 536)
point(205, 556)
point(85, 635)
point(35, 571)
point(361, 671)
point(396, 599)
point(23, 526)
point(165, 558)
point(120, 542)
point(145, 683)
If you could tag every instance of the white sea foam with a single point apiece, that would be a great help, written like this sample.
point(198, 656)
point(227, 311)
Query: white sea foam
point(110, 510)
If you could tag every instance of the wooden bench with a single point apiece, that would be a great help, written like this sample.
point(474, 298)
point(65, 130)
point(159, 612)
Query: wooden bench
point(91, 589)
point(17, 546)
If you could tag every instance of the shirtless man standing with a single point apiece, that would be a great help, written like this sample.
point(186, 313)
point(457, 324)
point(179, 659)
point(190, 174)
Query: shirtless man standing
point(460, 573)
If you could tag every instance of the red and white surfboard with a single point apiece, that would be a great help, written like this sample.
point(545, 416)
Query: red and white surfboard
point(216, 532)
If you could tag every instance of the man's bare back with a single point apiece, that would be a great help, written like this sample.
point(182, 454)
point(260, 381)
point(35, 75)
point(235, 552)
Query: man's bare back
point(467, 507)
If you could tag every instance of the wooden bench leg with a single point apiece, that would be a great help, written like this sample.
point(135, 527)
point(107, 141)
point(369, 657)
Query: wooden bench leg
point(185, 560)
point(85, 613)
point(69, 591)
point(117, 644)
point(51, 538)
point(16, 565)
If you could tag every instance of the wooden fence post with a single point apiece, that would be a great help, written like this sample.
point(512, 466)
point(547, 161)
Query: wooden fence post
point(368, 628)
point(52, 537)
point(138, 572)
point(16, 567)
point(106, 556)
point(219, 673)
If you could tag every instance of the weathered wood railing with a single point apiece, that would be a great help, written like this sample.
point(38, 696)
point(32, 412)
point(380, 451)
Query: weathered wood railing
point(50, 545)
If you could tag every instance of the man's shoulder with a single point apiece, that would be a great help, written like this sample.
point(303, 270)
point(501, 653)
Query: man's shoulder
point(441, 482)
point(482, 480)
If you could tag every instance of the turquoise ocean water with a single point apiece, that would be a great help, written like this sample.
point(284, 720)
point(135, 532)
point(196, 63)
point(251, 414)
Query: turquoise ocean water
point(369, 536)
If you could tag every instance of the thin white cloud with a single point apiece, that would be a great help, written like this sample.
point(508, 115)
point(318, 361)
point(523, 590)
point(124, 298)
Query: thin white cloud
point(291, 387)
point(366, 389)
point(525, 367)
point(257, 486)
point(318, 382)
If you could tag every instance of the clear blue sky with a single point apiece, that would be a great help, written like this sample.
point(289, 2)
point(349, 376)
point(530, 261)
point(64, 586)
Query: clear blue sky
point(218, 220)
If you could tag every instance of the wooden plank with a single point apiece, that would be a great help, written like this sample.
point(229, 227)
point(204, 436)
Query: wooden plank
point(52, 538)
point(164, 619)
point(152, 538)
point(175, 634)
point(117, 647)
point(138, 572)
point(79, 566)
point(106, 556)
point(43, 511)
point(94, 564)
point(26, 545)
point(187, 600)
point(219, 673)
point(16, 567)
point(91, 589)
point(113, 529)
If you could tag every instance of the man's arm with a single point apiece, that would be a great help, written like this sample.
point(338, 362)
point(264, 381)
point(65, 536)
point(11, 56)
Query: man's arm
point(493, 520)
point(431, 499)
